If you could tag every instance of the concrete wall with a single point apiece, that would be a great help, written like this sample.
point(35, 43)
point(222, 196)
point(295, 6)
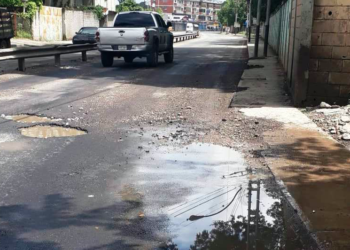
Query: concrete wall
point(73, 20)
point(299, 50)
point(47, 24)
point(110, 18)
point(330, 52)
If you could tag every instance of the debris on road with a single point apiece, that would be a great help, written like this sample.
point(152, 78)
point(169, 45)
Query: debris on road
point(333, 120)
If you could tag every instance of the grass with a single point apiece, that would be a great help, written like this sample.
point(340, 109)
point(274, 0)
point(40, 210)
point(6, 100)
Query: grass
point(23, 34)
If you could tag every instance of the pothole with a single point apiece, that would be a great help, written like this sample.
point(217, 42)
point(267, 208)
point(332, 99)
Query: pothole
point(26, 118)
point(48, 131)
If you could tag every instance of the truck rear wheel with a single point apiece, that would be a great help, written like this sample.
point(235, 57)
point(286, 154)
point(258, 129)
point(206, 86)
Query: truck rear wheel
point(3, 44)
point(169, 57)
point(107, 59)
point(152, 58)
point(8, 42)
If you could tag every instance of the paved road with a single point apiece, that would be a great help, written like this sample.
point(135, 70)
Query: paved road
point(149, 148)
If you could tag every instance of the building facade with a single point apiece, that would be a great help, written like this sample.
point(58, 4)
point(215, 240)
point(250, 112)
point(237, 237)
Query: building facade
point(202, 11)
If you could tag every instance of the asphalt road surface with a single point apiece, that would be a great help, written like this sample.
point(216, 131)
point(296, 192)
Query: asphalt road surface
point(151, 142)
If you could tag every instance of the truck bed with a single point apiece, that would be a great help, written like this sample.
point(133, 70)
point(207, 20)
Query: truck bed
point(122, 36)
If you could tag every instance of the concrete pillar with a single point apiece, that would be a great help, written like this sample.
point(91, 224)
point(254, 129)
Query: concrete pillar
point(57, 60)
point(83, 56)
point(21, 64)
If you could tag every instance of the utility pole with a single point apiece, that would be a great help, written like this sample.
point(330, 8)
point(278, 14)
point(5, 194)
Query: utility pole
point(250, 21)
point(253, 215)
point(267, 27)
point(256, 48)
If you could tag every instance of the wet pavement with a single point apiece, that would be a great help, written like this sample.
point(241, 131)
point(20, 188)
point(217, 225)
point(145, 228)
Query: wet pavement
point(156, 163)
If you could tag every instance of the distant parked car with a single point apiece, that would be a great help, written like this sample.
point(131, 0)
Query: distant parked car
point(85, 35)
point(192, 28)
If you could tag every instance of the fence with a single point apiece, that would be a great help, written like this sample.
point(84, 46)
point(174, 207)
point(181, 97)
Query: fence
point(22, 27)
point(279, 35)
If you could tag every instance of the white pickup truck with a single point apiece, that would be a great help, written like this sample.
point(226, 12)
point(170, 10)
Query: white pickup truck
point(136, 34)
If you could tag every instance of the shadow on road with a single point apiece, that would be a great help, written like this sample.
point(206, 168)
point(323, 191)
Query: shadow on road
point(55, 214)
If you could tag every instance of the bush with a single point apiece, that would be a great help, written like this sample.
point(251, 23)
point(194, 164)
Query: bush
point(23, 34)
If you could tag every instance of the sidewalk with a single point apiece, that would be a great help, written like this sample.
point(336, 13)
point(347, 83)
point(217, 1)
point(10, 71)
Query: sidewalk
point(308, 163)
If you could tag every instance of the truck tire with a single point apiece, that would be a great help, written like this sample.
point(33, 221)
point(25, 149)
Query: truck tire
point(152, 58)
point(169, 57)
point(107, 59)
point(8, 42)
point(3, 44)
point(128, 59)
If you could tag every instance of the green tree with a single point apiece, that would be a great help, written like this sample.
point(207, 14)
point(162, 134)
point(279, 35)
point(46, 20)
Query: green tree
point(31, 6)
point(128, 5)
point(227, 14)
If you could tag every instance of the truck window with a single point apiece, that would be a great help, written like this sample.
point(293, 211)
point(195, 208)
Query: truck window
point(134, 19)
point(160, 21)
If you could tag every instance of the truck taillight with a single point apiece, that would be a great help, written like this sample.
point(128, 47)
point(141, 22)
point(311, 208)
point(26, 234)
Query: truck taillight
point(97, 36)
point(146, 36)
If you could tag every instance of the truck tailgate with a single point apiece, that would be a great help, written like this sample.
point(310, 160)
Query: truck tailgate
point(122, 36)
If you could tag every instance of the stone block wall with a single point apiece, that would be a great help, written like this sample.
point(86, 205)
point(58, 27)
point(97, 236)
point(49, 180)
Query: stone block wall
point(329, 76)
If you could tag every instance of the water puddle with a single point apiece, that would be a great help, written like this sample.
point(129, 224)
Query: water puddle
point(30, 118)
point(207, 190)
point(49, 131)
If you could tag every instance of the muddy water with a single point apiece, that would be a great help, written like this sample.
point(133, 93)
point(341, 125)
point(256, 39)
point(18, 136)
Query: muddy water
point(50, 131)
point(208, 187)
point(29, 118)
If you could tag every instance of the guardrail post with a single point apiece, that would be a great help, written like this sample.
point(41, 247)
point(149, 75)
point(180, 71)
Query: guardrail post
point(83, 56)
point(58, 60)
point(21, 64)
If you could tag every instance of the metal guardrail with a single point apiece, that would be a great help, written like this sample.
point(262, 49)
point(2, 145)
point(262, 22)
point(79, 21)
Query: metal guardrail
point(179, 38)
point(21, 54)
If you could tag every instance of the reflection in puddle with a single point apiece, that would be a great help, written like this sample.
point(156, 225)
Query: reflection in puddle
point(29, 118)
point(210, 191)
point(50, 131)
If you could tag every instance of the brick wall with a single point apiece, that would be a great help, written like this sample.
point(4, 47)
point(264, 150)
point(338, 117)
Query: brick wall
point(329, 76)
point(166, 5)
